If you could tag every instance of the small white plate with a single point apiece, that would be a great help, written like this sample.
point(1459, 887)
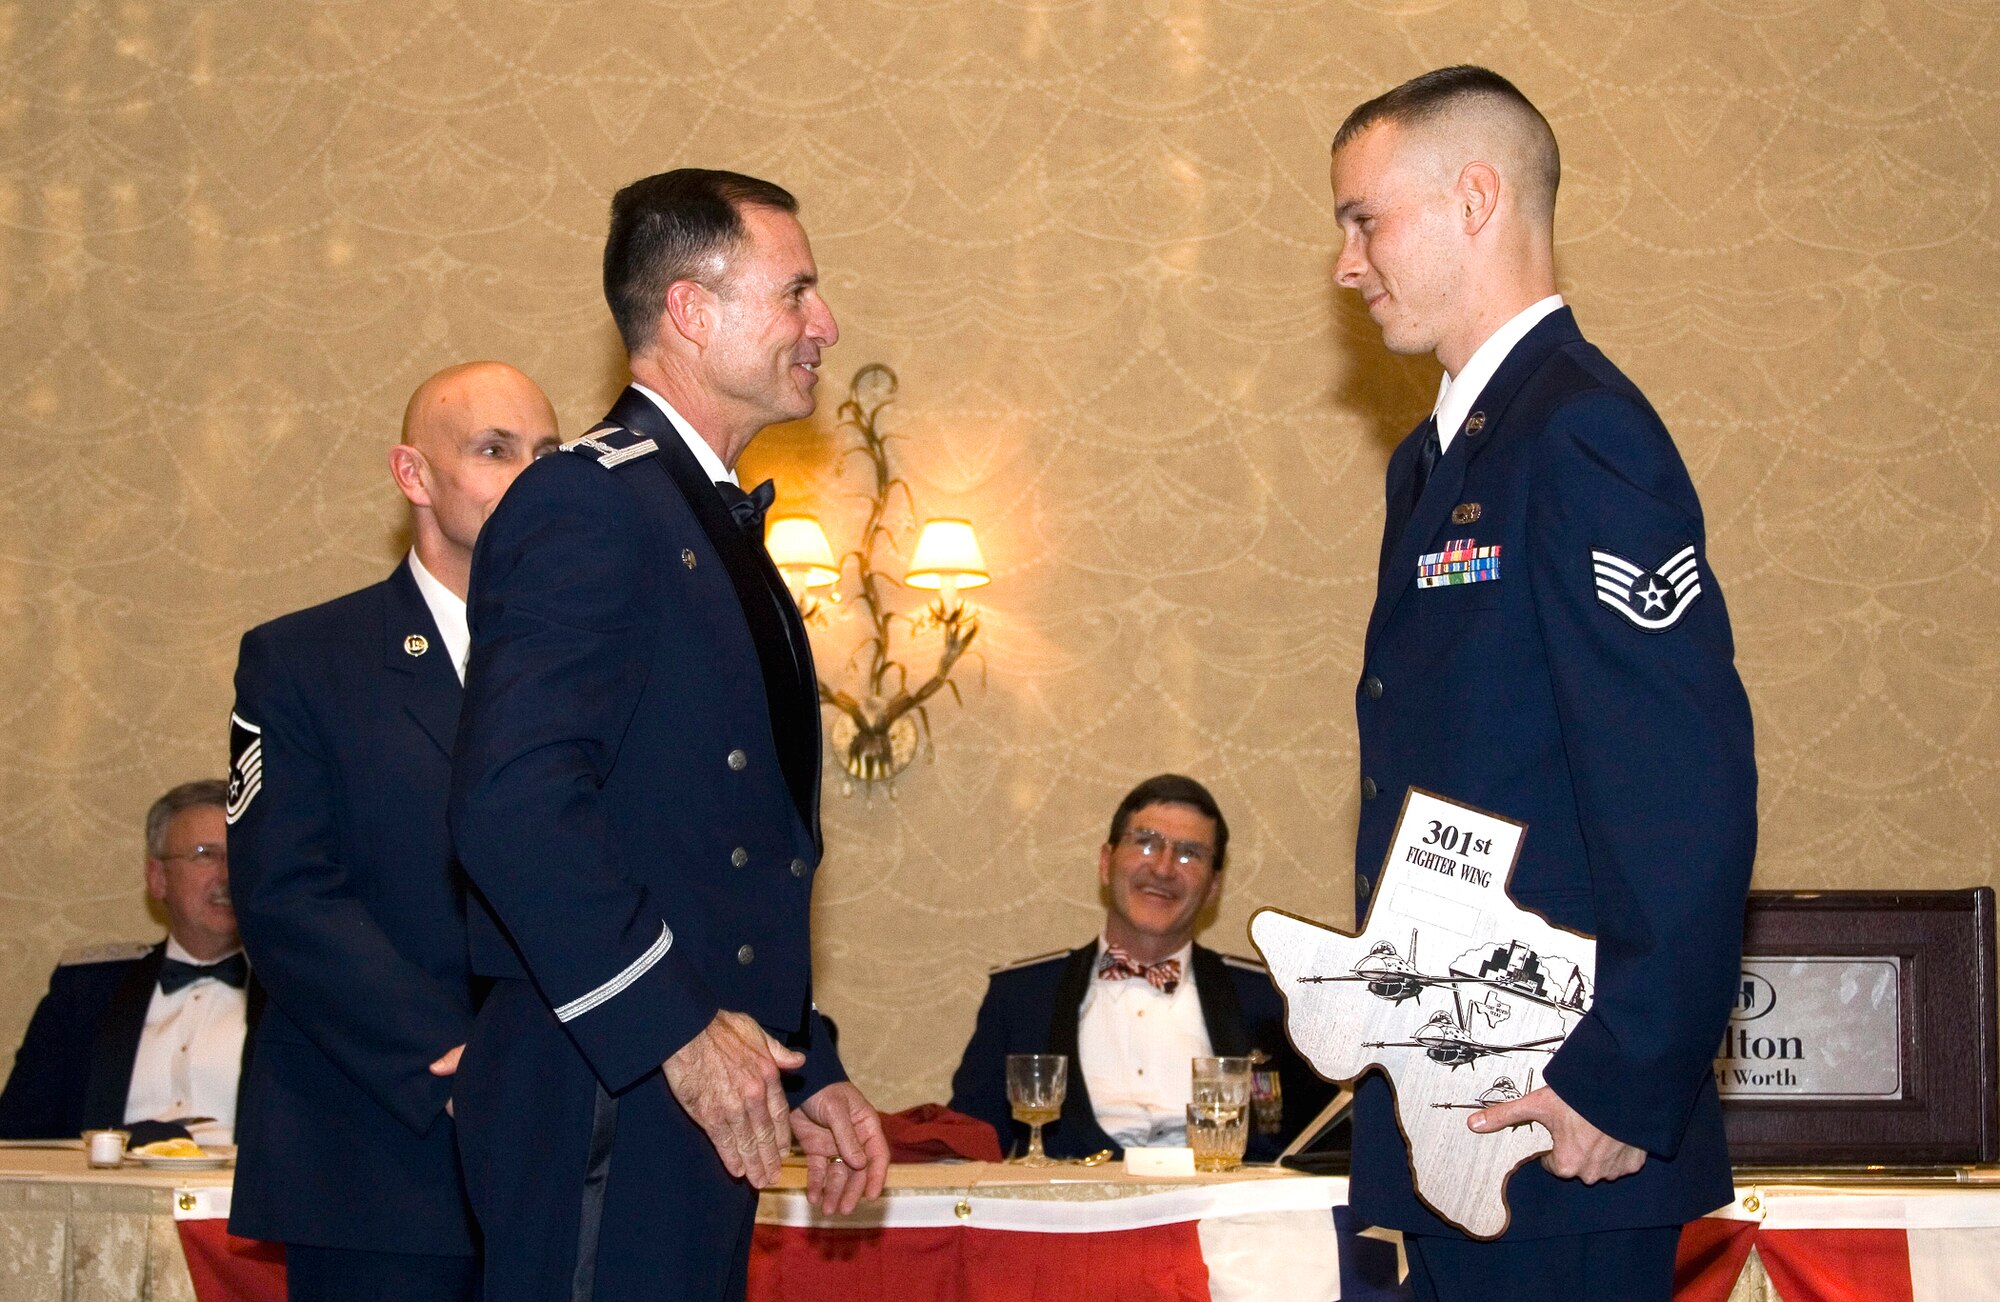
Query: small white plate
point(210, 1161)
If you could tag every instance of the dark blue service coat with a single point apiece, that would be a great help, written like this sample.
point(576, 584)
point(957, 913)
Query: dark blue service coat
point(73, 1070)
point(636, 801)
point(342, 875)
point(1602, 710)
point(1033, 1007)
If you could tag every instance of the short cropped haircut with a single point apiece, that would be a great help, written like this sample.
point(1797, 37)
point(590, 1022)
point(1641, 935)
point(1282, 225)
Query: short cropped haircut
point(1435, 93)
point(1172, 789)
point(188, 795)
point(665, 228)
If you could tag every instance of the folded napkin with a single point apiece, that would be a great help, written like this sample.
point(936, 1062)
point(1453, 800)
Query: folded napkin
point(152, 1132)
point(932, 1132)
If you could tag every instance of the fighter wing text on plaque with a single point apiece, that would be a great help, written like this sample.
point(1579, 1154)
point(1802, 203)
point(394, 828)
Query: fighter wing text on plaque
point(1456, 992)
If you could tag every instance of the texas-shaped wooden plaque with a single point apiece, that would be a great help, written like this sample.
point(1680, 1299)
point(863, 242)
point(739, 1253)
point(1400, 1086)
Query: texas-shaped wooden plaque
point(1456, 992)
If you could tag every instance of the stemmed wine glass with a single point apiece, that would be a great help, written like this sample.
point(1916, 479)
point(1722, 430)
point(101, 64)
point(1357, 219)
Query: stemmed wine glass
point(1036, 1083)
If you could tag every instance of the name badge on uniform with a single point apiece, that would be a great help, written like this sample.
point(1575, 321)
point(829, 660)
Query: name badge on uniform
point(1463, 561)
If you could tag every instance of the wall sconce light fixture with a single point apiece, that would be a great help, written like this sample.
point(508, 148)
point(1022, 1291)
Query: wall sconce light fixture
point(879, 727)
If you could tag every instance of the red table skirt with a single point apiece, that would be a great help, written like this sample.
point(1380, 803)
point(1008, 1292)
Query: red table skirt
point(951, 1264)
point(954, 1264)
point(225, 1268)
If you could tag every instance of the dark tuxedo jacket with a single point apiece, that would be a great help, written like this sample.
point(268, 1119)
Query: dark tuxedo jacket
point(636, 801)
point(73, 1070)
point(1033, 1007)
point(345, 891)
point(1625, 748)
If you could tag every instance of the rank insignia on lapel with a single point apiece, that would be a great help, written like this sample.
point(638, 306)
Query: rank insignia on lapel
point(246, 766)
point(1463, 561)
point(1652, 599)
point(416, 644)
point(1465, 513)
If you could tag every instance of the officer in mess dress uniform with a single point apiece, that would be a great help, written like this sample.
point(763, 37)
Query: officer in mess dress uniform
point(1547, 643)
point(350, 906)
point(136, 1032)
point(636, 795)
point(1133, 1007)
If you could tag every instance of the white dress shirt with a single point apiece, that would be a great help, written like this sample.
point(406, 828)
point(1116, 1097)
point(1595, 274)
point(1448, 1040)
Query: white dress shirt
point(1134, 1043)
point(711, 465)
point(190, 1055)
point(447, 612)
point(1456, 394)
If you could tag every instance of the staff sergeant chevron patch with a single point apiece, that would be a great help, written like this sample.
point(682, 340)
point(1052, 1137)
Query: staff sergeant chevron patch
point(1652, 599)
point(246, 766)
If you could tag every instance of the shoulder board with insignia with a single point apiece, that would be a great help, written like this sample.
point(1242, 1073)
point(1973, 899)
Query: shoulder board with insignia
point(117, 951)
point(612, 446)
point(1247, 964)
point(1027, 962)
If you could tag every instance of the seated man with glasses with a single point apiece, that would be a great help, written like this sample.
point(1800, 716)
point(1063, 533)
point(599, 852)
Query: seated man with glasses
point(1132, 1007)
point(138, 1032)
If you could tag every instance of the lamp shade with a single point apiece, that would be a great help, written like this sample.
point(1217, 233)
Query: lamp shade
point(947, 551)
point(798, 548)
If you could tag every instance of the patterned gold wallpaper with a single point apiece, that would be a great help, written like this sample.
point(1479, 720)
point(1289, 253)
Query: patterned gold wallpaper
point(1094, 238)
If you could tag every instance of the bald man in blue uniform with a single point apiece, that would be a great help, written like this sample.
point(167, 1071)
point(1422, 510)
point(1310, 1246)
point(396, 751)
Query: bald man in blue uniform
point(1548, 643)
point(349, 903)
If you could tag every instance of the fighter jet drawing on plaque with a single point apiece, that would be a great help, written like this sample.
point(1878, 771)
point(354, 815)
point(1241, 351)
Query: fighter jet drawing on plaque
point(1504, 965)
point(1502, 1090)
point(1387, 974)
point(1448, 1040)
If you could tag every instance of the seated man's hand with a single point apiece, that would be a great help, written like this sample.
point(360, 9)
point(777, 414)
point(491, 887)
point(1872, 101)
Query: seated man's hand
point(727, 1079)
point(847, 1155)
point(1582, 1151)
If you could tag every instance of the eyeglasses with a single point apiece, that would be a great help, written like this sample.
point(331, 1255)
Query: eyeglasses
point(1153, 847)
point(215, 854)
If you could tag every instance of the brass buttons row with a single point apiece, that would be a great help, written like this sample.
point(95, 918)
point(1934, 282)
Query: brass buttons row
point(739, 857)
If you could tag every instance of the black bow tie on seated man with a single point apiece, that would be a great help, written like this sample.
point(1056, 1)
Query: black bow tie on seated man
point(748, 508)
point(176, 975)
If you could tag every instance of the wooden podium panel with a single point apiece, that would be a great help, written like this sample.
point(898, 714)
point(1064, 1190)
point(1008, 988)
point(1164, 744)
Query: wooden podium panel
point(1928, 1043)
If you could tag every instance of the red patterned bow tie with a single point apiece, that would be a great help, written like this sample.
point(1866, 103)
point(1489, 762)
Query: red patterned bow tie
point(1116, 965)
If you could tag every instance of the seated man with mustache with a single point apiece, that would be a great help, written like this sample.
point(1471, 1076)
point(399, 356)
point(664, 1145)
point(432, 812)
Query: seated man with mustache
point(1131, 1008)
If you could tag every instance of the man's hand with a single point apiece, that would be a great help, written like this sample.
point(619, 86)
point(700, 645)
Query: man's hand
point(727, 1079)
point(1582, 1151)
point(847, 1156)
point(448, 1066)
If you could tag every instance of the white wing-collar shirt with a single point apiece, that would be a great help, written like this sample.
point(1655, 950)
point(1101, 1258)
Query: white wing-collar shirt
point(1457, 393)
point(1134, 1044)
point(190, 1055)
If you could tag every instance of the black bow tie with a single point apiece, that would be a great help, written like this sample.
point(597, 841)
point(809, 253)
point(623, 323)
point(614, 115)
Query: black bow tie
point(176, 975)
point(748, 508)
